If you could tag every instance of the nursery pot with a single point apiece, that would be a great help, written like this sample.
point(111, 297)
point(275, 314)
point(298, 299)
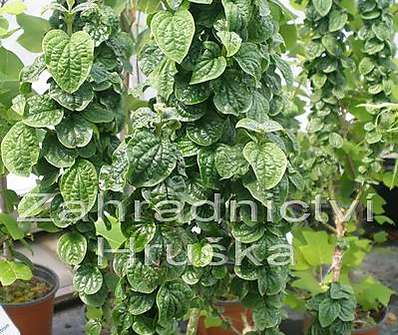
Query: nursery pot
point(232, 312)
point(375, 330)
point(35, 317)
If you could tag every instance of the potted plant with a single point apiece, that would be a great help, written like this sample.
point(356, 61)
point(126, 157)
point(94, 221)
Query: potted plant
point(66, 134)
point(27, 291)
point(351, 127)
point(210, 129)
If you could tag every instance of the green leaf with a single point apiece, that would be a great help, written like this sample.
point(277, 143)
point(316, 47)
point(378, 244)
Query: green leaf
point(88, 279)
point(285, 69)
point(207, 170)
point(113, 177)
point(93, 327)
point(72, 248)
point(231, 41)
point(56, 154)
point(329, 311)
point(20, 149)
point(247, 234)
point(143, 278)
point(264, 127)
point(173, 300)
point(114, 236)
point(60, 215)
point(232, 94)
point(11, 226)
point(13, 7)
point(140, 303)
point(96, 113)
point(366, 66)
point(10, 66)
point(144, 326)
point(230, 162)
point(76, 101)
point(187, 113)
point(264, 317)
point(173, 33)
point(337, 20)
point(11, 271)
point(162, 78)
point(34, 29)
point(32, 203)
point(206, 131)
point(268, 161)
point(191, 94)
point(69, 59)
point(323, 6)
point(200, 255)
point(42, 111)
point(79, 187)
point(141, 234)
point(210, 65)
point(317, 250)
point(74, 131)
point(249, 59)
point(152, 159)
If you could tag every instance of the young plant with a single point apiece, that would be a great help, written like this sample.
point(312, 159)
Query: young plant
point(348, 134)
point(212, 132)
point(65, 135)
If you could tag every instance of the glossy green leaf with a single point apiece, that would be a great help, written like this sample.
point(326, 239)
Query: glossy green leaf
point(173, 33)
point(190, 94)
point(42, 111)
point(322, 6)
point(97, 113)
point(69, 59)
point(151, 159)
point(72, 248)
point(74, 131)
point(232, 94)
point(200, 255)
point(337, 20)
point(20, 149)
point(267, 126)
point(144, 326)
point(143, 278)
point(141, 235)
point(173, 300)
point(113, 177)
point(162, 78)
point(231, 41)
point(210, 64)
point(139, 303)
point(56, 154)
point(88, 279)
point(11, 226)
point(268, 161)
point(329, 311)
point(247, 234)
point(76, 101)
point(206, 131)
point(79, 187)
point(249, 59)
point(230, 162)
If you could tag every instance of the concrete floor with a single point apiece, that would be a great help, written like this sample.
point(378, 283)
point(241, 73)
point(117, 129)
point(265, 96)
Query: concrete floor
point(382, 263)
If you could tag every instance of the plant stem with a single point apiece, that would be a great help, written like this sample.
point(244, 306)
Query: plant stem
point(193, 322)
point(3, 209)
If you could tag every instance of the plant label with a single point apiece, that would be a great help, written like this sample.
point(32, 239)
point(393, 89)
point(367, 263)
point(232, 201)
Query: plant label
point(7, 327)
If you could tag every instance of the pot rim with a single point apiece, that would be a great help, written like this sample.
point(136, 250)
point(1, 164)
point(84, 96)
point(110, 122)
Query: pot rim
point(40, 271)
point(375, 327)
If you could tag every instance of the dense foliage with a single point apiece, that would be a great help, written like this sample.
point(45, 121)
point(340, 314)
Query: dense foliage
point(211, 132)
point(66, 134)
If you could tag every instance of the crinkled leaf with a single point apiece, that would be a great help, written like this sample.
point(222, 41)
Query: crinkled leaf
point(68, 58)
point(173, 33)
point(151, 159)
point(206, 131)
point(79, 187)
point(143, 278)
point(268, 161)
point(230, 162)
point(88, 279)
point(72, 248)
point(264, 127)
point(42, 111)
point(231, 41)
point(74, 131)
point(76, 101)
point(249, 59)
point(56, 154)
point(20, 149)
point(200, 255)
